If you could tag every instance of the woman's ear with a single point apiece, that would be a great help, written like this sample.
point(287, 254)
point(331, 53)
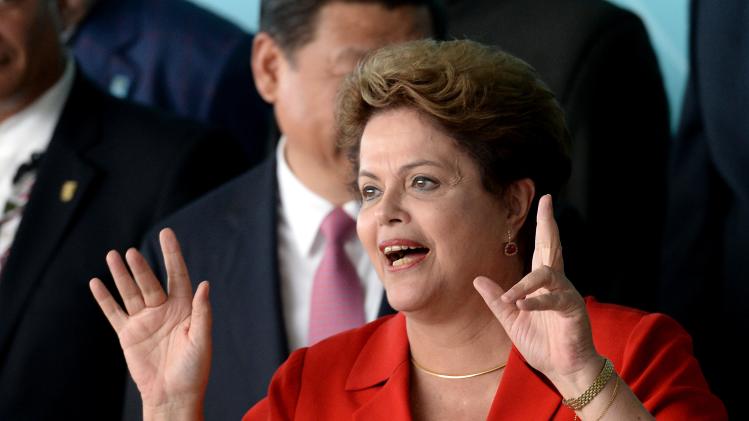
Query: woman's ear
point(518, 197)
point(266, 61)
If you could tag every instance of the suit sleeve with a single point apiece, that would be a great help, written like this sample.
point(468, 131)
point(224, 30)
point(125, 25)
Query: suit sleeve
point(658, 365)
point(695, 220)
point(283, 392)
point(618, 115)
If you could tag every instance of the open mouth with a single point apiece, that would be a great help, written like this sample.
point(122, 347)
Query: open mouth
point(403, 254)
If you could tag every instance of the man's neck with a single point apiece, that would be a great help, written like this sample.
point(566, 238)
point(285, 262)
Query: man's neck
point(19, 101)
point(329, 180)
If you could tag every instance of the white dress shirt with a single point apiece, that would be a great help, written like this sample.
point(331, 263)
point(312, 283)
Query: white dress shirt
point(301, 247)
point(25, 133)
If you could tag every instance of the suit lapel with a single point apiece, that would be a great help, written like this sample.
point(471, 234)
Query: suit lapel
point(60, 190)
point(251, 296)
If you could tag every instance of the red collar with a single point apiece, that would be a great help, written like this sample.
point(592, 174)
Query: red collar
point(384, 362)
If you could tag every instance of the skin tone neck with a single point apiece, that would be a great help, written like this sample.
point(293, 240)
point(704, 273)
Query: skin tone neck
point(16, 103)
point(468, 342)
point(328, 176)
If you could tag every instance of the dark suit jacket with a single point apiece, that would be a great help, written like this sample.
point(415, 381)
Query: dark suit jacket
point(230, 238)
point(59, 358)
point(364, 374)
point(179, 57)
point(598, 60)
point(705, 272)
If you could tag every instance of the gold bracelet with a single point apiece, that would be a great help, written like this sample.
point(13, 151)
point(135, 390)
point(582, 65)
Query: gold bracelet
point(598, 384)
point(611, 401)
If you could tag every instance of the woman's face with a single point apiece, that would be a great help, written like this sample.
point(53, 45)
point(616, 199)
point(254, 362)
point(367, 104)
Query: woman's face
point(427, 222)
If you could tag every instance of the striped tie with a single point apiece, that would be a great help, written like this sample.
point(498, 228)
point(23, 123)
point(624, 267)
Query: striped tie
point(337, 294)
point(10, 218)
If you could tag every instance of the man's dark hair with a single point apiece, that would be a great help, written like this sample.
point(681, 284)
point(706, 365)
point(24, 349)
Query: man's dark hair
point(292, 23)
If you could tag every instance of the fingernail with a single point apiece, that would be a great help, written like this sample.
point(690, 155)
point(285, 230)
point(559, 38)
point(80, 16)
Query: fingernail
point(478, 283)
point(167, 238)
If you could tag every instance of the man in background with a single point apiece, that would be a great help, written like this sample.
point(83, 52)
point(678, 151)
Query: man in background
point(705, 271)
point(80, 173)
point(266, 238)
point(598, 60)
point(173, 55)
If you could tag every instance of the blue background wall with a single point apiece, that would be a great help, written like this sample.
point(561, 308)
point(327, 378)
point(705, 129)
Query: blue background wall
point(666, 20)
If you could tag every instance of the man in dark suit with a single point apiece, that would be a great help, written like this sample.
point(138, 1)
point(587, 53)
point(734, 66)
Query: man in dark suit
point(259, 239)
point(598, 60)
point(176, 56)
point(80, 173)
point(705, 274)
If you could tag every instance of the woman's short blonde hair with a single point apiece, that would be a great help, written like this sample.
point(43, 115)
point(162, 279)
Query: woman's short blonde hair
point(492, 104)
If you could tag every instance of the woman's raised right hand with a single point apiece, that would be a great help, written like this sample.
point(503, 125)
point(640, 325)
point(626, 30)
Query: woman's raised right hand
point(166, 338)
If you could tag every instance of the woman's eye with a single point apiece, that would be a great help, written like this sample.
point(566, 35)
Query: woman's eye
point(423, 183)
point(369, 193)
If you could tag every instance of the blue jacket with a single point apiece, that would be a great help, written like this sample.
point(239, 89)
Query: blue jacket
point(176, 56)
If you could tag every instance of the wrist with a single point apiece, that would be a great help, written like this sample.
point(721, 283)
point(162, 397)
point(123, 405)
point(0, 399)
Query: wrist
point(573, 385)
point(188, 409)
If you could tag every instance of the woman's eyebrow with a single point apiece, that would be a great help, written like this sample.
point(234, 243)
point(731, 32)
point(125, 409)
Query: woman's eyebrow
point(365, 173)
point(420, 163)
point(405, 168)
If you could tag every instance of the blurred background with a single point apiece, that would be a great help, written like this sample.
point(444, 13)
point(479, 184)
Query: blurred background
point(666, 20)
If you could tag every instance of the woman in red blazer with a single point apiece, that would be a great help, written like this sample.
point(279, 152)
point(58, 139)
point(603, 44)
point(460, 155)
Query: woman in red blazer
point(453, 145)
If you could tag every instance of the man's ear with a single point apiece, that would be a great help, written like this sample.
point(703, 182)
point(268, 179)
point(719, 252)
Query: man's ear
point(267, 60)
point(72, 12)
point(519, 197)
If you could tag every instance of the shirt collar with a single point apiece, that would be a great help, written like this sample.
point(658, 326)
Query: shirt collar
point(386, 352)
point(30, 130)
point(301, 208)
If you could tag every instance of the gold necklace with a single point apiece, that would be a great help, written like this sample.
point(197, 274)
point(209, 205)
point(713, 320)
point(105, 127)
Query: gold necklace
point(459, 376)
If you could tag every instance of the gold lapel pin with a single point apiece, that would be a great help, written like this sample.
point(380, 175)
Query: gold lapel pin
point(67, 191)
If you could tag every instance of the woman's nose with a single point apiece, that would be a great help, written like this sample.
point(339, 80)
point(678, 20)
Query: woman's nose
point(390, 210)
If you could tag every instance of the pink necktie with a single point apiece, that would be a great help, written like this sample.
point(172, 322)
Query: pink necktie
point(337, 295)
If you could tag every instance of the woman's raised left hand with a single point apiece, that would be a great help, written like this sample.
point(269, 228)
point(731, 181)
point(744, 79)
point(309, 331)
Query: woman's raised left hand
point(544, 315)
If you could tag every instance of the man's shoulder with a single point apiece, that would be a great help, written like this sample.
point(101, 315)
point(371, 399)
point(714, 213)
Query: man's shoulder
point(127, 117)
point(248, 199)
point(189, 17)
point(136, 144)
point(191, 30)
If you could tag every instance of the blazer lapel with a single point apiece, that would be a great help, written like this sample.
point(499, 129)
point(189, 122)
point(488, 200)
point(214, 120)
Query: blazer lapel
point(524, 393)
point(383, 369)
point(60, 189)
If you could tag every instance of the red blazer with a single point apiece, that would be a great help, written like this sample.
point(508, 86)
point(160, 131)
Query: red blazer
point(363, 374)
